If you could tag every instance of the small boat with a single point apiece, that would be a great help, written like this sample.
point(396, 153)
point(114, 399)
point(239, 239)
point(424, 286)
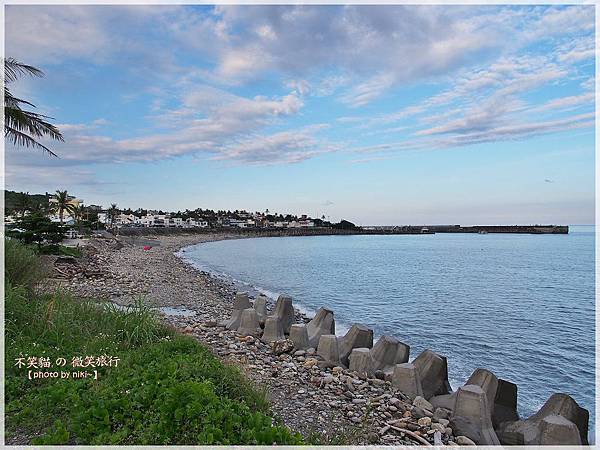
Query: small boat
point(483, 232)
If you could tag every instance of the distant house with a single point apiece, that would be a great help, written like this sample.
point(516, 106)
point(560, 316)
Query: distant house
point(193, 223)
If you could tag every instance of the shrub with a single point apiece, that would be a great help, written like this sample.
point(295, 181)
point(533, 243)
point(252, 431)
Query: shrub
point(22, 266)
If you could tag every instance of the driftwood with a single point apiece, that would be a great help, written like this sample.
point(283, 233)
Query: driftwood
point(411, 434)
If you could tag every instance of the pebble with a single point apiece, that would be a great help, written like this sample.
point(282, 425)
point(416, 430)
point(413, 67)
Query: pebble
point(463, 440)
point(424, 421)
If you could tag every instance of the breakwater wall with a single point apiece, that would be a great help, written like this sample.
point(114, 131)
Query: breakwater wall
point(484, 409)
point(525, 229)
point(323, 231)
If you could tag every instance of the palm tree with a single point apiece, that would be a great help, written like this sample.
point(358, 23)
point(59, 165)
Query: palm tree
point(77, 212)
point(112, 213)
point(20, 126)
point(62, 204)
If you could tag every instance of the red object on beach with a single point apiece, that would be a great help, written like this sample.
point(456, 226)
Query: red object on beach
point(147, 247)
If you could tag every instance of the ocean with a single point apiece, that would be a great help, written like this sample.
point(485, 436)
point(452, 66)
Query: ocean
point(519, 305)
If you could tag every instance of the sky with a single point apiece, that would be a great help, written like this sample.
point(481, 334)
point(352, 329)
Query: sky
point(374, 114)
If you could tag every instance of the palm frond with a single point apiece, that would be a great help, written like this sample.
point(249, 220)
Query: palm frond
point(11, 100)
point(31, 122)
point(13, 69)
point(22, 139)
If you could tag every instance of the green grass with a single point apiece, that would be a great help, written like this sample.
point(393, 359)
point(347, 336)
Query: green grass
point(166, 389)
point(21, 264)
point(60, 250)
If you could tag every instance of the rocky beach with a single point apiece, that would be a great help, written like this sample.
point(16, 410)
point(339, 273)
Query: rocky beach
point(308, 394)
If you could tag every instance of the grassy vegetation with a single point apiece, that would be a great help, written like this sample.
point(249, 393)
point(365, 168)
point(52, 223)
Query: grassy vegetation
point(166, 388)
point(60, 250)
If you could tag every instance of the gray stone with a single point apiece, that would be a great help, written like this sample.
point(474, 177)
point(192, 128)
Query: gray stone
point(358, 336)
point(420, 402)
point(285, 311)
point(328, 350)
point(529, 431)
point(260, 305)
point(434, 373)
point(299, 336)
point(471, 416)
point(322, 323)
point(387, 352)
point(361, 362)
point(249, 325)
point(464, 440)
point(273, 330)
point(407, 379)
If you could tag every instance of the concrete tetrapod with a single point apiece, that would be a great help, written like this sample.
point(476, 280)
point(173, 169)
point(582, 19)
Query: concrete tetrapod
point(483, 378)
point(322, 323)
point(387, 352)
point(299, 336)
point(249, 325)
point(358, 336)
point(240, 302)
point(556, 429)
point(529, 431)
point(471, 416)
point(260, 305)
point(505, 403)
point(285, 311)
point(361, 362)
point(407, 379)
point(434, 373)
point(329, 351)
point(273, 330)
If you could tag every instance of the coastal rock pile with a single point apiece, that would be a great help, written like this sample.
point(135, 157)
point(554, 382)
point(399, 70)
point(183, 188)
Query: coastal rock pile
point(482, 411)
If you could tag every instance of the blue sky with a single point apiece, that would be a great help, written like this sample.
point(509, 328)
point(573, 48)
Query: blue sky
point(376, 114)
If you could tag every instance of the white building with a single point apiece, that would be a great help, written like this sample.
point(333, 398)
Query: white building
point(193, 223)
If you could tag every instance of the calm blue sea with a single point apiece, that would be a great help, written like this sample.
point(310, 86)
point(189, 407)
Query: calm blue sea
point(519, 305)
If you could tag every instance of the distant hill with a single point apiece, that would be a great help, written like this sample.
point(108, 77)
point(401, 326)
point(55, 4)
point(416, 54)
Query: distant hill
point(11, 199)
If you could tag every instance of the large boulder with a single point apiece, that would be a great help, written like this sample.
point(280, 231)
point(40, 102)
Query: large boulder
point(322, 323)
point(434, 373)
point(358, 336)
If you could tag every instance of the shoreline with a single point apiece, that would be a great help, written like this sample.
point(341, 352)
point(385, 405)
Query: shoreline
point(168, 280)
